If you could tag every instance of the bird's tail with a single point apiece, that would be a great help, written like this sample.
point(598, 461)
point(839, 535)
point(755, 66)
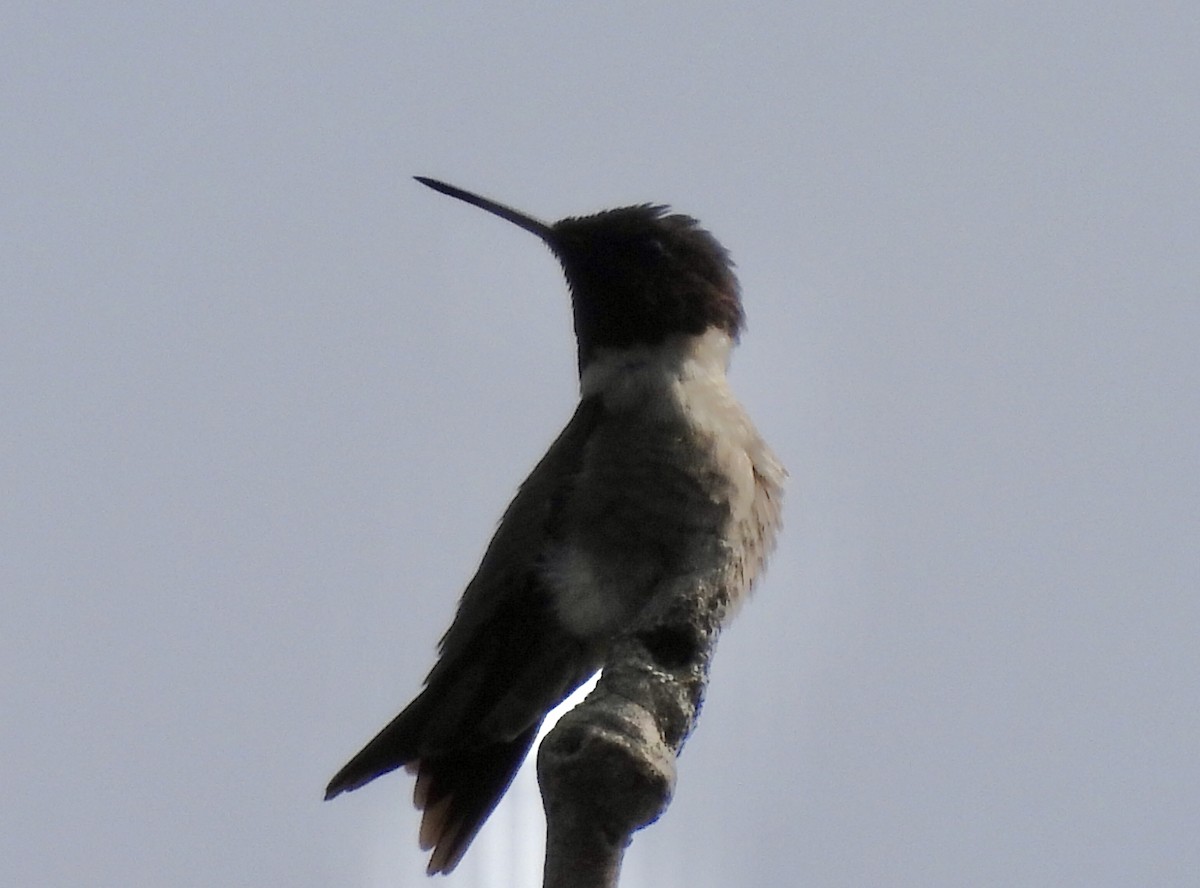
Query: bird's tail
point(456, 790)
point(396, 745)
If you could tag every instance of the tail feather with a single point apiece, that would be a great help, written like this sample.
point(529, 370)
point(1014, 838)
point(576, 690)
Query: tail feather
point(467, 732)
point(393, 747)
point(457, 792)
point(456, 789)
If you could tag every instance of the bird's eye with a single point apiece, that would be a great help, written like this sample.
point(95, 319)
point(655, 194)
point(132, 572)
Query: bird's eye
point(657, 248)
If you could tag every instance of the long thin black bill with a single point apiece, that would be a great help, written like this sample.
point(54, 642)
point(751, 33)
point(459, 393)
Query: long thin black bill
point(536, 226)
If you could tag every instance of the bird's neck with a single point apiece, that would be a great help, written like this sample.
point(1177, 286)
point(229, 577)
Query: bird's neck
point(617, 374)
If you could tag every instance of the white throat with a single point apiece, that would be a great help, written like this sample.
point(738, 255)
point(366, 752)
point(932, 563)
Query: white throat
point(617, 371)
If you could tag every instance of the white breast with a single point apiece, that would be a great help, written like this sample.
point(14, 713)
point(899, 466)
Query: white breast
point(682, 383)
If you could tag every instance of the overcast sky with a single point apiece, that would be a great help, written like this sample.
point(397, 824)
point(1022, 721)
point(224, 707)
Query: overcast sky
point(264, 397)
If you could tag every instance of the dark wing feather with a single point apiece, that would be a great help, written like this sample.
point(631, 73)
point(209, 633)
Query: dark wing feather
point(504, 663)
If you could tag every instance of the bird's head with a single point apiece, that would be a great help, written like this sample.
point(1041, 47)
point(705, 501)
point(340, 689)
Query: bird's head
point(637, 274)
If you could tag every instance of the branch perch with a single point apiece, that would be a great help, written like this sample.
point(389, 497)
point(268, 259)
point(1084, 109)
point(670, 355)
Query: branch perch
point(607, 769)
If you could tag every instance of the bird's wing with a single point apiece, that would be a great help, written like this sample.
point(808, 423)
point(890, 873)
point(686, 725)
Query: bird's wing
point(508, 573)
point(504, 662)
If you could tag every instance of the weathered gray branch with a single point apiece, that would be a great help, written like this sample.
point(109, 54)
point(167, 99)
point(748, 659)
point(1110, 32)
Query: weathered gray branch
point(608, 767)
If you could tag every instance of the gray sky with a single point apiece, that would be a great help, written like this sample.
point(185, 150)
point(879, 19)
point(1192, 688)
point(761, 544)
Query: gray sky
point(265, 397)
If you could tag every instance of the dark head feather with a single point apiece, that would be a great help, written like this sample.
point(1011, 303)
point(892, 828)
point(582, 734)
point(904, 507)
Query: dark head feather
point(639, 274)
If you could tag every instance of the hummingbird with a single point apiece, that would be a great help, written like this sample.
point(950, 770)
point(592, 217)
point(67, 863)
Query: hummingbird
point(658, 476)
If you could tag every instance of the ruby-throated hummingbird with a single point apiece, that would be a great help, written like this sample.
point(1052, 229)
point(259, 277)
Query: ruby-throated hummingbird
point(658, 463)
